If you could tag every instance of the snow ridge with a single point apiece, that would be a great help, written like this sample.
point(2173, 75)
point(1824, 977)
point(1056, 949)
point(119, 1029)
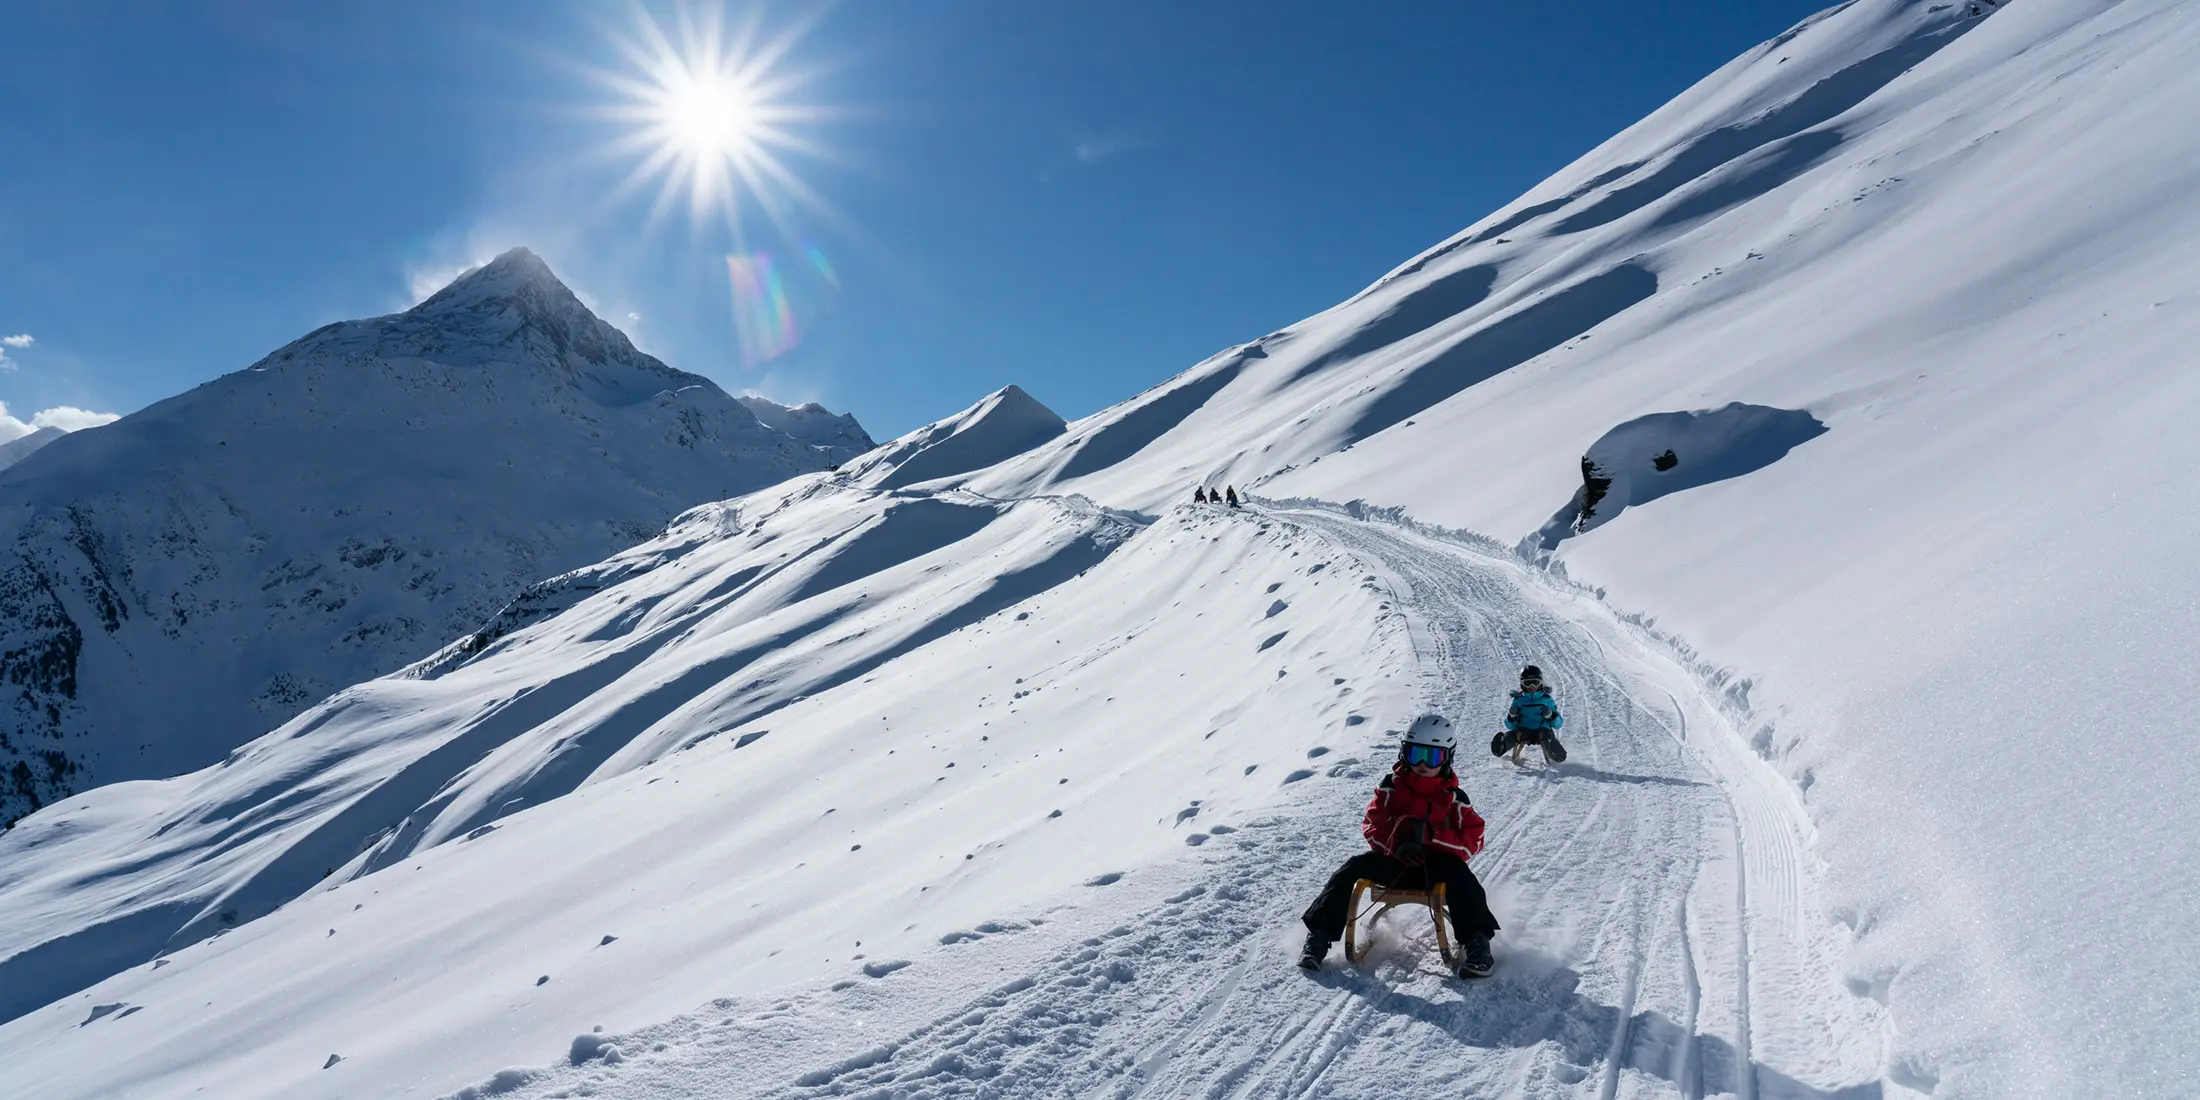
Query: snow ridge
point(1007, 423)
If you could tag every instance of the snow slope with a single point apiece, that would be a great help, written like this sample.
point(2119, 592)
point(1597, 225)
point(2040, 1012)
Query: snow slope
point(22, 447)
point(1179, 985)
point(800, 716)
point(178, 582)
point(1962, 615)
point(1054, 852)
point(1902, 299)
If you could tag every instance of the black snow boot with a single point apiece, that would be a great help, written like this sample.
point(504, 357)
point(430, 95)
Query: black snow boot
point(1553, 752)
point(1316, 950)
point(1474, 957)
point(1502, 743)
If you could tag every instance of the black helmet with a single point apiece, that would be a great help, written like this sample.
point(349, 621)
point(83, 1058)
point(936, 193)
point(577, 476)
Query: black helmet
point(1531, 675)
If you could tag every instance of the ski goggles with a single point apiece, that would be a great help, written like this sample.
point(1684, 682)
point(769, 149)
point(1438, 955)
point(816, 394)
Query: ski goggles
point(1427, 756)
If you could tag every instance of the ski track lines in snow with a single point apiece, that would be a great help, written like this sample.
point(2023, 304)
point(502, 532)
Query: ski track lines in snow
point(1662, 935)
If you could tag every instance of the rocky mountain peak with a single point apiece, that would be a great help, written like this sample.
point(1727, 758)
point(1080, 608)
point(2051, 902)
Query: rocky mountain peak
point(516, 279)
point(511, 310)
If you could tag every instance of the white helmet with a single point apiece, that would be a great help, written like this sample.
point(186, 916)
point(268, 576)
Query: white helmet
point(1432, 729)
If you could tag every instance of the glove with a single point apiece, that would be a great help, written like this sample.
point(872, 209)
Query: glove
point(1412, 842)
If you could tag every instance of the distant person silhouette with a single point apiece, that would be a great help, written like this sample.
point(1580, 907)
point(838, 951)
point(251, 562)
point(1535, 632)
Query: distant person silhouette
point(1233, 495)
point(1199, 495)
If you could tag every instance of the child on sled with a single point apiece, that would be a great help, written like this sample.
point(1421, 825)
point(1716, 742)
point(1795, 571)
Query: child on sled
point(1420, 831)
point(1533, 719)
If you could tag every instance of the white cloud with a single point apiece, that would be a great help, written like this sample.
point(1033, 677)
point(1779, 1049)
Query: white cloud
point(19, 340)
point(1094, 148)
point(423, 280)
point(68, 418)
point(782, 390)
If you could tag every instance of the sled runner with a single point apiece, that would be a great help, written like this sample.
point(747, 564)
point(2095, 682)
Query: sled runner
point(1513, 741)
point(1366, 894)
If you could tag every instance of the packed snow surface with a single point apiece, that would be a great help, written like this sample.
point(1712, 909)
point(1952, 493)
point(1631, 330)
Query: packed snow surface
point(1010, 777)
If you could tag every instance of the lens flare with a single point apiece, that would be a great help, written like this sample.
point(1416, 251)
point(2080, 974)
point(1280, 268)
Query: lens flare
point(822, 265)
point(762, 317)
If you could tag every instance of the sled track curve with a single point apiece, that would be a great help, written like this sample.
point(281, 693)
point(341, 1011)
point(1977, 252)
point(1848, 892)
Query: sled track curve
point(1663, 935)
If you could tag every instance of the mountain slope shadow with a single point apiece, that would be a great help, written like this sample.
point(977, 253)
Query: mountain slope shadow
point(1818, 103)
point(1517, 219)
point(906, 531)
point(1664, 453)
point(58, 967)
point(1757, 173)
point(1445, 296)
point(1508, 342)
point(1134, 430)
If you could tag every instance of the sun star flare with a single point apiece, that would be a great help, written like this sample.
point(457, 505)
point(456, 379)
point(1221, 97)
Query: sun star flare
point(704, 108)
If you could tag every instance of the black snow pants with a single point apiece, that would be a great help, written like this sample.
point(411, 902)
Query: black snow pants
point(1470, 908)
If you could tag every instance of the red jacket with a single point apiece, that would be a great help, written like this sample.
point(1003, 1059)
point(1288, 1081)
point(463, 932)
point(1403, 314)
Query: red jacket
point(1453, 826)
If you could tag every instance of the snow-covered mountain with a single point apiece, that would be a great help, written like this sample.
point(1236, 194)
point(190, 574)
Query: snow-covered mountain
point(1005, 424)
point(812, 424)
point(1011, 780)
point(22, 447)
point(177, 582)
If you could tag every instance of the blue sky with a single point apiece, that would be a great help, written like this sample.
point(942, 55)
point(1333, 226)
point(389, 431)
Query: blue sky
point(1083, 198)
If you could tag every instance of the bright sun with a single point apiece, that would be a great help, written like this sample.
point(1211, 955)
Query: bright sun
point(705, 110)
point(711, 119)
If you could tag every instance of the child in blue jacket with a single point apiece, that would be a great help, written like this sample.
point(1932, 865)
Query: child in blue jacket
point(1533, 719)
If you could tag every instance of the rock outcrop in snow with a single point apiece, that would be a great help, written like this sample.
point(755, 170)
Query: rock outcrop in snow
point(177, 582)
point(1664, 453)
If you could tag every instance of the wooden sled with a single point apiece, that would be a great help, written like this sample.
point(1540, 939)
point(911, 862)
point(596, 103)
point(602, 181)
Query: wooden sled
point(1366, 894)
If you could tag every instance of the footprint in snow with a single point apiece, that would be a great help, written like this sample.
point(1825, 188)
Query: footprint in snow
point(1271, 640)
point(1109, 879)
point(883, 967)
point(1275, 609)
point(332, 1060)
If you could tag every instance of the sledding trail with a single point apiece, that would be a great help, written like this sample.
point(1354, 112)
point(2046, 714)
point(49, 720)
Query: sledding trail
point(1662, 931)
